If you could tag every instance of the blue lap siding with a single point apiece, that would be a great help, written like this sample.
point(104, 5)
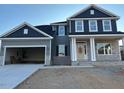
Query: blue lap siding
point(20, 33)
point(86, 14)
point(99, 23)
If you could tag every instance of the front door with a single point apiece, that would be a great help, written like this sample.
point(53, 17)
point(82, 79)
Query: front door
point(81, 50)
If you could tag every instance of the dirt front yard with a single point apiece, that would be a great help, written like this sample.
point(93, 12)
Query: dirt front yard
point(76, 78)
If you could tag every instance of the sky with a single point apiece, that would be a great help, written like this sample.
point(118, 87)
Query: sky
point(41, 14)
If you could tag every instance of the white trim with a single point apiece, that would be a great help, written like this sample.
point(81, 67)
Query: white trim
point(19, 46)
point(22, 46)
point(103, 35)
point(96, 7)
point(50, 52)
point(82, 22)
point(95, 24)
point(123, 42)
point(45, 56)
point(36, 38)
point(22, 25)
point(73, 50)
point(109, 24)
point(92, 49)
point(94, 18)
point(4, 57)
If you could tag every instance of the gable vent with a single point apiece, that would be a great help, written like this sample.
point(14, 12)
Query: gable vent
point(25, 31)
point(92, 12)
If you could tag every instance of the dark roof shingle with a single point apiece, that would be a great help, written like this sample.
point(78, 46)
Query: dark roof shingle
point(45, 28)
point(62, 22)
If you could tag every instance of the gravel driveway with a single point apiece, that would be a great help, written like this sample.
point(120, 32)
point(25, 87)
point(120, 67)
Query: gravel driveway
point(76, 78)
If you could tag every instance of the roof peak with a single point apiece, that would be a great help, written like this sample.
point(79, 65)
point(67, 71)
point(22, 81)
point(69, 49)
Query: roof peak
point(92, 4)
point(96, 7)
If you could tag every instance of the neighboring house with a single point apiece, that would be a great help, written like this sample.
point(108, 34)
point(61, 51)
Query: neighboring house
point(88, 36)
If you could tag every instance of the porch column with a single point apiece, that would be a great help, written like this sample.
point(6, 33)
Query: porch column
point(73, 49)
point(123, 42)
point(92, 49)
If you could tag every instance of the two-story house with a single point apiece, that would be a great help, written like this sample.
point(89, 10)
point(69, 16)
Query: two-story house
point(90, 35)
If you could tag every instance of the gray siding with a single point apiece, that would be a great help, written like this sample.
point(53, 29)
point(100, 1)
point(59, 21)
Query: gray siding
point(29, 43)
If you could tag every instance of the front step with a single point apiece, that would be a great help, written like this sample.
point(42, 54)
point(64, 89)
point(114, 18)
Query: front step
point(82, 63)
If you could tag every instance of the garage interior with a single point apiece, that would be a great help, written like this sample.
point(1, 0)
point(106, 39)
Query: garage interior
point(25, 55)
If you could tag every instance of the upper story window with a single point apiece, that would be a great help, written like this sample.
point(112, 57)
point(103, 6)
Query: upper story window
point(93, 26)
point(92, 12)
point(61, 31)
point(107, 25)
point(25, 31)
point(79, 26)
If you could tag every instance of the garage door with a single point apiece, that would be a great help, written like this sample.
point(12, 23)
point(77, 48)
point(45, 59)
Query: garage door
point(25, 55)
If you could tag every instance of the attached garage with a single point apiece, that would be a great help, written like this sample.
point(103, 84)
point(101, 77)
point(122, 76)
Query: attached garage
point(25, 44)
point(25, 55)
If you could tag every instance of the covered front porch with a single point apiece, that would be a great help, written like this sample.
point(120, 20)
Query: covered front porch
point(95, 48)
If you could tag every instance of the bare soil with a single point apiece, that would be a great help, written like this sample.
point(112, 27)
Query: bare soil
point(76, 78)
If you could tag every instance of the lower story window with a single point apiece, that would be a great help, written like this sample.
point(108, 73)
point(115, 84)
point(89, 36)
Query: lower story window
point(61, 50)
point(104, 48)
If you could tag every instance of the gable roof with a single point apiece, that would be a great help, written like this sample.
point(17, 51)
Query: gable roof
point(46, 28)
point(22, 25)
point(97, 8)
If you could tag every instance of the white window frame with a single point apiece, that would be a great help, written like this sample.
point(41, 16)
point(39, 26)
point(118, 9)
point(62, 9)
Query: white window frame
point(82, 26)
point(59, 30)
point(25, 31)
point(92, 12)
point(104, 49)
point(95, 24)
point(109, 24)
point(61, 45)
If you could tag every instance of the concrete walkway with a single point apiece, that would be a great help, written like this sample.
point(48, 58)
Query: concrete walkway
point(12, 75)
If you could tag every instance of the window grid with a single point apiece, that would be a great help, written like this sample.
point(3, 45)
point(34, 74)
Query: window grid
point(104, 48)
point(79, 26)
point(61, 31)
point(92, 12)
point(25, 31)
point(107, 25)
point(93, 26)
point(61, 50)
